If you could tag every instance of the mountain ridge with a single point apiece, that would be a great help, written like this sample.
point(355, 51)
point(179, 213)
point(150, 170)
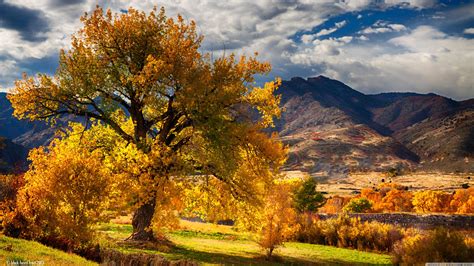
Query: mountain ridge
point(368, 131)
point(333, 129)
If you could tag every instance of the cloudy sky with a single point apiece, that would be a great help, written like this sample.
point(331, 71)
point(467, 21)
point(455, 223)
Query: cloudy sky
point(373, 46)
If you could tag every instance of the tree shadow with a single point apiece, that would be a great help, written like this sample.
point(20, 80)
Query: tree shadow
point(253, 259)
point(227, 259)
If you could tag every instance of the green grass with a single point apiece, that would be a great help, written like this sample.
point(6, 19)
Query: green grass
point(208, 244)
point(217, 244)
point(18, 250)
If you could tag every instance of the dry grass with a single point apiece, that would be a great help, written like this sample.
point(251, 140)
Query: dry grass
point(124, 219)
point(414, 181)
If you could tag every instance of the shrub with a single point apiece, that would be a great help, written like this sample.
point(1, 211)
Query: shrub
point(66, 192)
point(463, 201)
point(439, 245)
point(308, 231)
point(306, 197)
point(393, 172)
point(349, 233)
point(358, 205)
point(11, 223)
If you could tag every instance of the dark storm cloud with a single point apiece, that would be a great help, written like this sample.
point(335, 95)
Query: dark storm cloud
point(47, 64)
point(29, 23)
point(61, 3)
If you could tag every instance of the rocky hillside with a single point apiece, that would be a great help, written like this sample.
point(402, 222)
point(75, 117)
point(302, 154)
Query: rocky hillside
point(445, 143)
point(17, 137)
point(333, 129)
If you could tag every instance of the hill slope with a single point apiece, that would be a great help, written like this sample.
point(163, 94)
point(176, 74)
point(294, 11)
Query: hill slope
point(333, 129)
point(22, 252)
point(22, 132)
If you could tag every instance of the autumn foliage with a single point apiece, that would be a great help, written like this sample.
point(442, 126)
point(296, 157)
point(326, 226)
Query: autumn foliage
point(278, 218)
point(348, 233)
point(334, 204)
point(439, 245)
point(178, 114)
point(172, 132)
point(396, 198)
point(66, 192)
point(463, 201)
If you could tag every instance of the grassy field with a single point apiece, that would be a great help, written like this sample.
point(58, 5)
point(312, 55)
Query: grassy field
point(20, 251)
point(218, 244)
point(207, 244)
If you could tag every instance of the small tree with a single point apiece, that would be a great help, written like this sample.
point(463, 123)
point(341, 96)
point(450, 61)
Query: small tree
point(306, 198)
point(397, 201)
point(358, 205)
point(278, 217)
point(431, 201)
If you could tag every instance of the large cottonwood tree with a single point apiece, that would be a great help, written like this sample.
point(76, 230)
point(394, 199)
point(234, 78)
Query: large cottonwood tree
point(205, 112)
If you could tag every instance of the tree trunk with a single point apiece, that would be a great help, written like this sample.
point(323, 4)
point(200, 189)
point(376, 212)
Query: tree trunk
point(141, 222)
point(269, 253)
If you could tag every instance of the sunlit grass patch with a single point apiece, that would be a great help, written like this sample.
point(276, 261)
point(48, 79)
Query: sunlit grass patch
point(220, 244)
point(23, 251)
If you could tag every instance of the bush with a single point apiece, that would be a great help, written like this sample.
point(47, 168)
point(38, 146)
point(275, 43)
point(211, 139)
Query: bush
point(358, 205)
point(348, 233)
point(66, 192)
point(463, 201)
point(440, 245)
point(11, 223)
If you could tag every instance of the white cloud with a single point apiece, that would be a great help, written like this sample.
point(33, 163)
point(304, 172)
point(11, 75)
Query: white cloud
point(469, 31)
point(340, 24)
point(426, 60)
point(307, 38)
point(337, 26)
point(324, 32)
point(383, 27)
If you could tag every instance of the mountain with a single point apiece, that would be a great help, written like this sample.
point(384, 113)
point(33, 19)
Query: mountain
point(333, 129)
point(24, 132)
point(17, 137)
point(399, 113)
point(12, 156)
